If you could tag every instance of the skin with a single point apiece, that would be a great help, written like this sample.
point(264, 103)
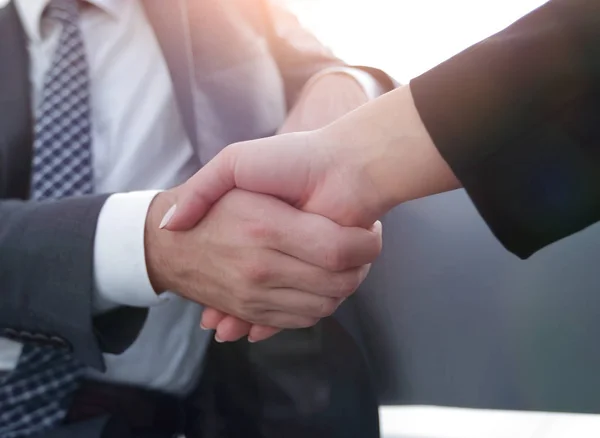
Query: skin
point(352, 171)
point(258, 258)
point(324, 101)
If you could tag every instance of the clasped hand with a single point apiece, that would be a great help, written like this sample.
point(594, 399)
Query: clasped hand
point(261, 260)
point(351, 171)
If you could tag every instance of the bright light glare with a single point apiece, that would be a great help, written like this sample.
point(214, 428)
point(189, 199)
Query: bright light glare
point(406, 37)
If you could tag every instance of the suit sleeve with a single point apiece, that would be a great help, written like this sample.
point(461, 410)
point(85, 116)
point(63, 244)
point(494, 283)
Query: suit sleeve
point(517, 117)
point(298, 53)
point(47, 281)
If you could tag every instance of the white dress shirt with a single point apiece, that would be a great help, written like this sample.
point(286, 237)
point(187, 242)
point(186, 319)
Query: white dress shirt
point(139, 143)
point(139, 147)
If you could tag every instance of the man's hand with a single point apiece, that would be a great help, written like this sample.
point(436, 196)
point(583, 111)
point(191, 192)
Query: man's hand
point(323, 101)
point(260, 259)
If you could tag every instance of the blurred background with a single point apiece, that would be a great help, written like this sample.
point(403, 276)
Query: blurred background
point(406, 38)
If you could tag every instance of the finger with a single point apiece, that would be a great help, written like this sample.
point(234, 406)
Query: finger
point(291, 273)
point(277, 166)
point(231, 329)
point(200, 192)
point(377, 228)
point(321, 242)
point(261, 332)
point(298, 303)
point(211, 318)
point(282, 320)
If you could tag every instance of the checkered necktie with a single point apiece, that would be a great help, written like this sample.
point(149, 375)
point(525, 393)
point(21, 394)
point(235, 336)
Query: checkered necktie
point(36, 395)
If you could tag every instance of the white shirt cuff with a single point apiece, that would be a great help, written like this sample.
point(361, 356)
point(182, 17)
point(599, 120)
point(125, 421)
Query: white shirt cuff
point(372, 88)
point(120, 273)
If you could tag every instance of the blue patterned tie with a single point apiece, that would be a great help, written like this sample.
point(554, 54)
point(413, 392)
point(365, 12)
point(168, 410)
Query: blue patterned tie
point(62, 159)
point(35, 396)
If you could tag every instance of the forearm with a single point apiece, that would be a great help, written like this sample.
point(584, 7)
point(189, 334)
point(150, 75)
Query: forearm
point(471, 109)
point(512, 118)
point(400, 157)
point(329, 95)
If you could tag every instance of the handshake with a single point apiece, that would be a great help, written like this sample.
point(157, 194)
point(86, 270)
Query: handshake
point(276, 233)
point(258, 258)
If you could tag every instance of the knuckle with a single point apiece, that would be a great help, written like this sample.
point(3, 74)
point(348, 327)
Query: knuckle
point(263, 230)
point(257, 273)
point(258, 230)
point(244, 302)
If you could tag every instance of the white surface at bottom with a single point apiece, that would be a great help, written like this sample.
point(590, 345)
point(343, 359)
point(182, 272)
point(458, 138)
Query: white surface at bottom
point(438, 422)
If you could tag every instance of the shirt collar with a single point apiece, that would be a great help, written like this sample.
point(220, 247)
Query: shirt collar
point(30, 12)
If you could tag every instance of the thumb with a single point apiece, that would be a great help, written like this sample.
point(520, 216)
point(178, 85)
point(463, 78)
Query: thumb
point(198, 194)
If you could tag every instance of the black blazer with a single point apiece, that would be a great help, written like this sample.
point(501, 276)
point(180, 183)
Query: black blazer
point(517, 117)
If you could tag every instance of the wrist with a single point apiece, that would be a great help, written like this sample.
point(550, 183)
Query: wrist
point(402, 158)
point(396, 152)
point(156, 243)
point(421, 169)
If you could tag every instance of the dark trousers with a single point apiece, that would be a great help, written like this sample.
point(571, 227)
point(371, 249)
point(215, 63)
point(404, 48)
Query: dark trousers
point(303, 383)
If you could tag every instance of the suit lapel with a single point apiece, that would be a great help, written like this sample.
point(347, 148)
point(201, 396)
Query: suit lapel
point(16, 132)
point(171, 26)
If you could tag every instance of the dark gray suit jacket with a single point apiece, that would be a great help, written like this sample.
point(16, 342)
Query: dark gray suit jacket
point(236, 67)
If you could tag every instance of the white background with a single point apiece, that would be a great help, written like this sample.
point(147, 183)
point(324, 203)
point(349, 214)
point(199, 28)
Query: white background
point(406, 37)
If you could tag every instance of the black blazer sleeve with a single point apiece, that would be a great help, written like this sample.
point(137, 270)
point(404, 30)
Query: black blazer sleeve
point(517, 117)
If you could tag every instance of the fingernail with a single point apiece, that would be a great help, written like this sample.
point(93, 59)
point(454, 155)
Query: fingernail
point(203, 327)
point(219, 340)
point(167, 218)
point(251, 340)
